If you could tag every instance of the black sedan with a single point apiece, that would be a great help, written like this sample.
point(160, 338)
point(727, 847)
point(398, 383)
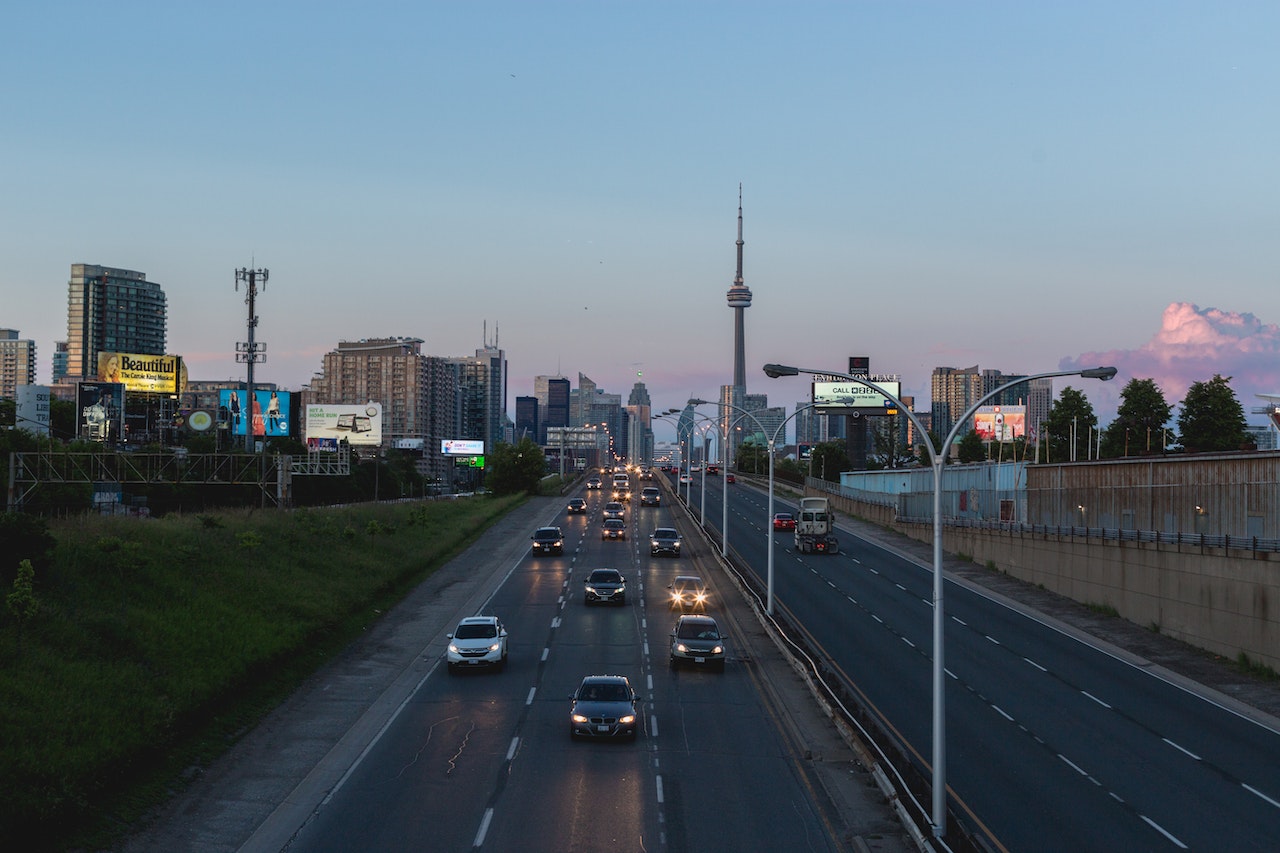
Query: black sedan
point(604, 706)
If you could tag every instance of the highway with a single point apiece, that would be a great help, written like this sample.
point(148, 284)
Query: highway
point(1053, 744)
point(484, 760)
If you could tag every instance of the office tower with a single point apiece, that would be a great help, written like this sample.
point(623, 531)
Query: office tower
point(640, 430)
point(111, 310)
point(553, 393)
point(59, 361)
point(527, 421)
point(17, 363)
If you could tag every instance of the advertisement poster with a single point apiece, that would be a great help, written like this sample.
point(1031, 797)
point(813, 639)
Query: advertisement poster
point(357, 425)
point(151, 374)
point(1000, 423)
point(100, 408)
point(33, 408)
point(267, 413)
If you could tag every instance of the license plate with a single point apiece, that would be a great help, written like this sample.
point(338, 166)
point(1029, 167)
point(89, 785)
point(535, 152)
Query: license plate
point(699, 660)
point(602, 728)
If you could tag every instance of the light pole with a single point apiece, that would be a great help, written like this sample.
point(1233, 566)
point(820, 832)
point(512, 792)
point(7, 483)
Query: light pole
point(768, 525)
point(937, 459)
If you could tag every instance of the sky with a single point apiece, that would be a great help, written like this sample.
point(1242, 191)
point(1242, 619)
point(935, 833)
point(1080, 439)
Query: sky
point(1027, 187)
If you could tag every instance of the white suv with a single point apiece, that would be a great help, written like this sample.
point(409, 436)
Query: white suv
point(478, 641)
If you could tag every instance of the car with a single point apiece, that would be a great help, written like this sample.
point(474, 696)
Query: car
point(650, 496)
point(614, 509)
point(688, 592)
point(594, 483)
point(577, 505)
point(784, 521)
point(729, 478)
point(665, 540)
point(646, 474)
point(548, 540)
point(478, 642)
point(621, 493)
point(696, 639)
point(604, 586)
point(614, 528)
point(604, 706)
point(685, 478)
point(713, 470)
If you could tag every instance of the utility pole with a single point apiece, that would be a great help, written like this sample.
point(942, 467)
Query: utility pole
point(249, 352)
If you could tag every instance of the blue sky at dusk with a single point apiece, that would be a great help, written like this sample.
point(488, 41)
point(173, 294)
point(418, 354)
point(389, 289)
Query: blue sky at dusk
point(1022, 186)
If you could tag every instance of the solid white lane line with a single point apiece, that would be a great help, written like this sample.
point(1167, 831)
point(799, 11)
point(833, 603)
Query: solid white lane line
point(1255, 791)
point(532, 691)
point(511, 753)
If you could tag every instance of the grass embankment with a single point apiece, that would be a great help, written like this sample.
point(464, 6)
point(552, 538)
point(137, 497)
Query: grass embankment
point(157, 642)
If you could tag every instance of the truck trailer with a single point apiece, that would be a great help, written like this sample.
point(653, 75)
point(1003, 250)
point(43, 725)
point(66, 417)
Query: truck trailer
point(814, 526)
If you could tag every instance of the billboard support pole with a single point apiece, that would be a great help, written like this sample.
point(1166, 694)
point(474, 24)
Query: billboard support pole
point(250, 352)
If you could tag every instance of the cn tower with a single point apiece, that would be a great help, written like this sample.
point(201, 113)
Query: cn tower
point(739, 298)
point(734, 396)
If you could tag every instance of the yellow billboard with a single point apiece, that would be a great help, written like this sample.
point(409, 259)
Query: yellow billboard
point(154, 374)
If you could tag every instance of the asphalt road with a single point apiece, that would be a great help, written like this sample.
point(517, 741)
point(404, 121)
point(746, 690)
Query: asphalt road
point(383, 751)
point(1066, 730)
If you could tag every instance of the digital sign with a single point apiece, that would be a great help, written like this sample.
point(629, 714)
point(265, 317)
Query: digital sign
point(855, 395)
point(461, 447)
point(1000, 423)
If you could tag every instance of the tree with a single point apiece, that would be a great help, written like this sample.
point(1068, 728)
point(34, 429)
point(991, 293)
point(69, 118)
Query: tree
point(1071, 415)
point(971, 448)
point(922, 452)
point(1140, 420)
point(828, 459)
point(516, 467)
point(887, 451)
point(1211, 417)
point(752, 456)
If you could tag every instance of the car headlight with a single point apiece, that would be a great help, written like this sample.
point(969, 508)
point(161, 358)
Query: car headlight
point(675, 596)
point(453, 647)
point(700, 597)
point(578, 718)
point(680, 647)
point(495, 647)
point(627, 720)
point(718, 650)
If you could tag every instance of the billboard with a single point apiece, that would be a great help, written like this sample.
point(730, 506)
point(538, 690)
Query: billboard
point(267, 412)
point(461, 447)
point(854, 395)
point(100, 408)
point(152, 374)
point(1000, 423)
point(33, 408)
point(358, 425)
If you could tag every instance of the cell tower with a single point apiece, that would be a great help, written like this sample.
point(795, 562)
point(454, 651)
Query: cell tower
point(250, 352)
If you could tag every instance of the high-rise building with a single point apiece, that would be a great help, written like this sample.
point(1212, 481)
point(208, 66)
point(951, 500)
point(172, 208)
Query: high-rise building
point(418, 393)
point(527, 423)
point(59, 361)
point(953, 391)
point(640, 429)
point(482, 388)
point(111, 310)
point(17, 362)
point(553, 393)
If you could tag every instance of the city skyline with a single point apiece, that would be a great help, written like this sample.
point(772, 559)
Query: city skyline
point(1019, 188)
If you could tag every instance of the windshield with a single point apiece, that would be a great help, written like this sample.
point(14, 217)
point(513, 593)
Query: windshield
point(698, 631)
point(605, 693)
point(475, 632)
point(604, 576)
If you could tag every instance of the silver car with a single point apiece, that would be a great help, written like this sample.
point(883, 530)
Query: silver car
point(697, 640)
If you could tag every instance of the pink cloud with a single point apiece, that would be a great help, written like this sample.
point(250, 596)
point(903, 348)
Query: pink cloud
point(1192, 345)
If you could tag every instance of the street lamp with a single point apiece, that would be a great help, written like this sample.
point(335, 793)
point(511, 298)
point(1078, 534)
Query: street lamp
point(937, 459)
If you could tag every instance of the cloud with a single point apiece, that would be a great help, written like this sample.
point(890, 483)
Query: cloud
point(1192, 345)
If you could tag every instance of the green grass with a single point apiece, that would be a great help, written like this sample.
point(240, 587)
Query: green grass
point(157, 642)
point(1102, 609)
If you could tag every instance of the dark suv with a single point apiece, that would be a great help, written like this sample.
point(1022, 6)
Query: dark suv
point(665, 540)
point(548, 540)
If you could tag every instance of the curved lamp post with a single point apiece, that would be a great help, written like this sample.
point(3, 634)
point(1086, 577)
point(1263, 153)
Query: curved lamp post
point(937, 459)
